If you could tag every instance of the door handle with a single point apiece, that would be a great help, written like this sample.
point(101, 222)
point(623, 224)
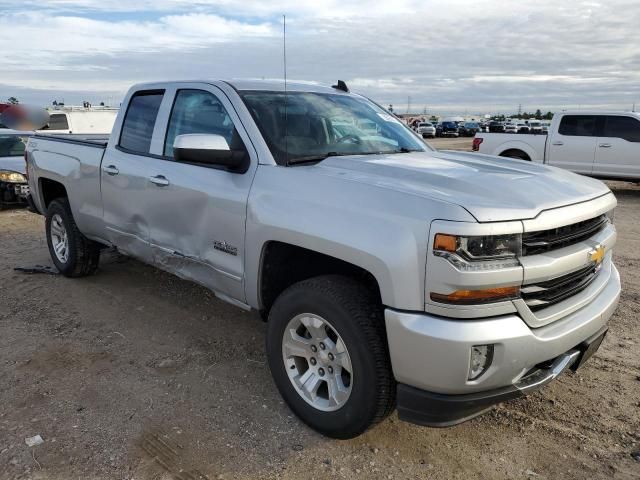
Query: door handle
point(111, 170)
point(605, 145)
point(558, 143)
point(159, 180)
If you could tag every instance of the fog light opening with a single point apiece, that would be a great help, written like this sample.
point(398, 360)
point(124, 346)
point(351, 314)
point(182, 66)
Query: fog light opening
point(480, 361)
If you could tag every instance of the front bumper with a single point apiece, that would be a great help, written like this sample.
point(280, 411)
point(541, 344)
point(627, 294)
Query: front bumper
point(431, 353)
point(438, 410)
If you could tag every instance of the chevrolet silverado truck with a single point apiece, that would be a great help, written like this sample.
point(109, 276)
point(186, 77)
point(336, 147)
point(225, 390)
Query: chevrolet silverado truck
point(390, 275)
point(598, 144)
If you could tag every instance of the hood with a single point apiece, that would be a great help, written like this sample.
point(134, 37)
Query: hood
point(490, 188)
point(13, 164)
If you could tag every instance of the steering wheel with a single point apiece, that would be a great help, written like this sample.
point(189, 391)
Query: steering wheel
point(351, 138)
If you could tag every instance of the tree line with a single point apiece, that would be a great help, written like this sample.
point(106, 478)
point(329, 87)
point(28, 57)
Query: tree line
point(538, 115)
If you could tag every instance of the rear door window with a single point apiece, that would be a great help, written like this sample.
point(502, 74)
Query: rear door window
point(140, 120)
point(578, 125)
point(626, 128)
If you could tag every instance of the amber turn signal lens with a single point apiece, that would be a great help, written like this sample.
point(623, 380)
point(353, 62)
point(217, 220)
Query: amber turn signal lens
point(474, 297)
point(448, 243)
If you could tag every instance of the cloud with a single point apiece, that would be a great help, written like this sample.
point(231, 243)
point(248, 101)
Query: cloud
point(456, 55)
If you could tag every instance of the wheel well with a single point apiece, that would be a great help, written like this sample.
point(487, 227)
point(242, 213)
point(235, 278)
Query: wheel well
point(515, 153)
point(50, 190)
point(284, 264)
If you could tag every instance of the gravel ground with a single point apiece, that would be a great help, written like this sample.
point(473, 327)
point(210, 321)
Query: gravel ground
point(133, 373)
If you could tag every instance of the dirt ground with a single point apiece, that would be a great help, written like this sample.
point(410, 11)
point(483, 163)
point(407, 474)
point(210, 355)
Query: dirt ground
point(135, 374)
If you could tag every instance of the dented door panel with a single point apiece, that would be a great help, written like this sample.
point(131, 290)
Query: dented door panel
point(197, 221)
point(125, 202)
point(194, 218)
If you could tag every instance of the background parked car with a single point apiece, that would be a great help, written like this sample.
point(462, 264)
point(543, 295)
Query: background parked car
point(468, 129)
point(510, 128)
point(426, 129)
point(447, 129)
point(13, 182)
point(603, 144)
point(523, 128)
point(496, 127)
point(81, 120)
point(535, 127)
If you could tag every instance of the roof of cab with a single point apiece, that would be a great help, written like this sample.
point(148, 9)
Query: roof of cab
point(598, 112)
point(278, 86)
point(251, 84)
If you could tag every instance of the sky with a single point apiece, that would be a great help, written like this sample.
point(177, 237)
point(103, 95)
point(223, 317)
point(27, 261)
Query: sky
point(452, 56)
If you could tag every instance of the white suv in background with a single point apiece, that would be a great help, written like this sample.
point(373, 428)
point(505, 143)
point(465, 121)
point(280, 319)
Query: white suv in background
point(426, 129)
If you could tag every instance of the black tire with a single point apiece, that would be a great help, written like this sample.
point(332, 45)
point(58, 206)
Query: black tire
point(83, 255)
point(357, 316)
point(517, 154)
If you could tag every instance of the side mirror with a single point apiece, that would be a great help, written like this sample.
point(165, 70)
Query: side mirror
point(209, 149)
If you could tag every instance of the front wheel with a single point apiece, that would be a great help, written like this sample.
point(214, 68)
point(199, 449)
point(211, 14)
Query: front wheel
point(73, 254)
point(327, 350)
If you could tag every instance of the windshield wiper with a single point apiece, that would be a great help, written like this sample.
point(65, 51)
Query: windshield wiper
point(319, 158)
point(315, 158)
point(405, 150)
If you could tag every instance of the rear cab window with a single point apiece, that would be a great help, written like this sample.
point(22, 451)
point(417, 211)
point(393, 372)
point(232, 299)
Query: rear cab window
point(578, 125)
point(140, 120)
point(57, 121)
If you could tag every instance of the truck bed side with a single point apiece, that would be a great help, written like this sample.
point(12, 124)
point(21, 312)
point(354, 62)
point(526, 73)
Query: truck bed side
point(68, 165)
point(503, 144)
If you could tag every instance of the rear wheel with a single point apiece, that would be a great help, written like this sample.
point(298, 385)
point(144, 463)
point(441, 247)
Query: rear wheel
point(73, 254)
point(327, 350)
point(518, 154)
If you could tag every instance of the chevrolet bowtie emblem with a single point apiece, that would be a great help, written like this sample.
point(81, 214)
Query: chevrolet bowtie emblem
point(597, 254)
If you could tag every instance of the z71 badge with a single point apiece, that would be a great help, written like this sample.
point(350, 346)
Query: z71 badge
point(225, 247)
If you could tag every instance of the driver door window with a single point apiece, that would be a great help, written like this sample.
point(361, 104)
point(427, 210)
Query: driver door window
point(197, 111)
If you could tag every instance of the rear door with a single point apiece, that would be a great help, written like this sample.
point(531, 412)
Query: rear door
point(618, 149)
point(573, 146)
point(125, 173)
point(197, 213)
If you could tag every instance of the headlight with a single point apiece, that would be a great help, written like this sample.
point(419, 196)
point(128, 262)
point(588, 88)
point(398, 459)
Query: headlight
point(610, 215)
point(475, 254)
point(12, 177)
point(485, 252)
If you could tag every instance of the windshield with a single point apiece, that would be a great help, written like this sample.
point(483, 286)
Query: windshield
point(12, 145)
point(471, 125)
point(318, 125)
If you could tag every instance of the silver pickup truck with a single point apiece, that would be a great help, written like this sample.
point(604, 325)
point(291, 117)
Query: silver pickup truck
point(390, 274)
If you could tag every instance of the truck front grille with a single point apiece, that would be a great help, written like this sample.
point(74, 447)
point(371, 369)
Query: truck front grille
point(544, 294)
point(547, 240)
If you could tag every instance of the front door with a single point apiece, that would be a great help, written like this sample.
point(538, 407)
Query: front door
point(573, 146)
point(618, 149)
point(197, 213)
